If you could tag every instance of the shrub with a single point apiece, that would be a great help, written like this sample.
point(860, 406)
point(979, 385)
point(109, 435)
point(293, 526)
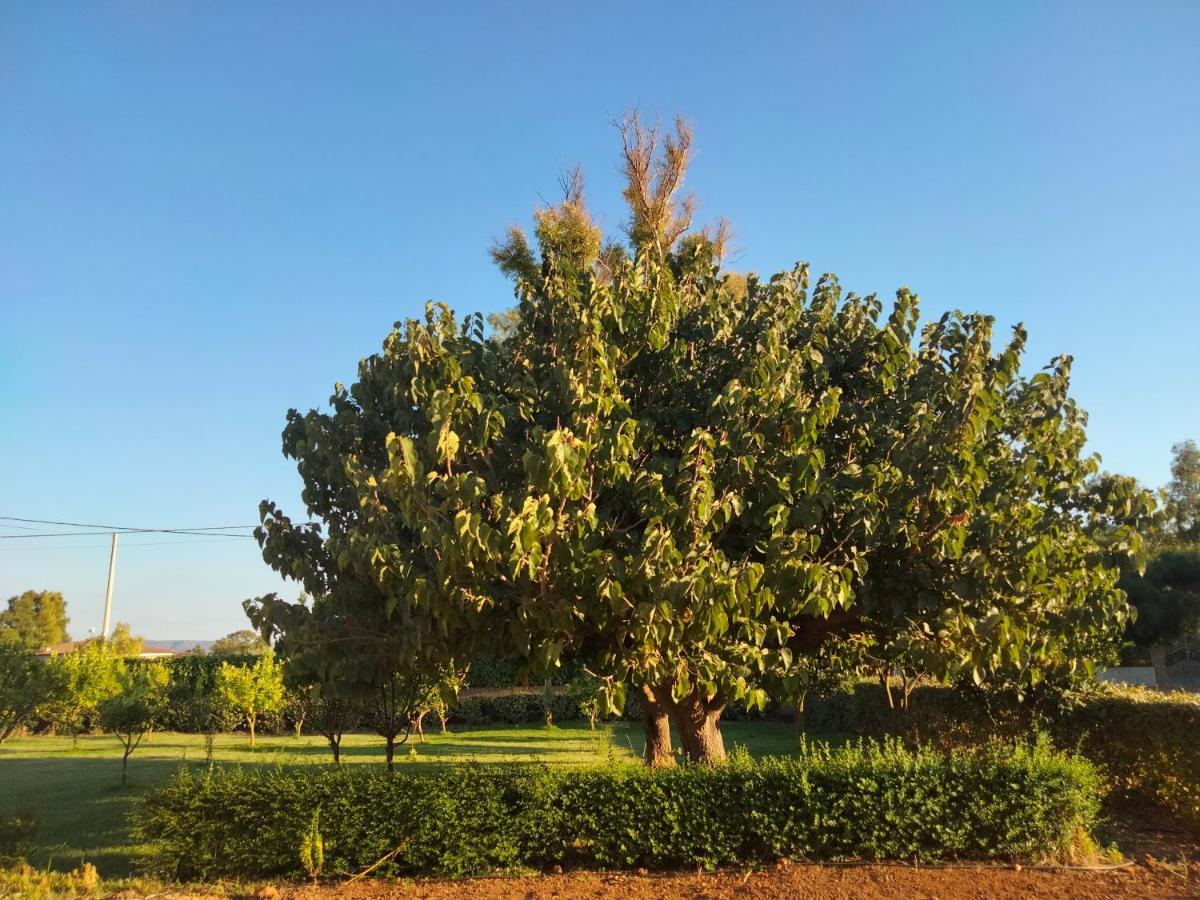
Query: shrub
point(16, 837)
point(1146, 742)
point(1143, 740)
point(867, 801)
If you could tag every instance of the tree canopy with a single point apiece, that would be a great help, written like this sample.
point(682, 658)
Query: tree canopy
point(693, 478)
point(1166, 597)
point(35, 619)
point(239, 643)
point(123, 642)
point(1182, 493)
point(251, 691)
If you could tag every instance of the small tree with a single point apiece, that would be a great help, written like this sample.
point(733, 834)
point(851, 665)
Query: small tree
point(297, 705)
point(588, 694)
point(394, 703)
point(439, 695)
point(442, 699)
point(26, 683)
point(250, 691)
point(334, 715)
point(131, 713)
point(89, 676)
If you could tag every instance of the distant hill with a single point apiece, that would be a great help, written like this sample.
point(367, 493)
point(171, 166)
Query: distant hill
point(180, 646)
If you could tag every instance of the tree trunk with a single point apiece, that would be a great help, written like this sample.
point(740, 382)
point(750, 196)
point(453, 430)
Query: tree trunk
point(698, 721)
point(250, 722)
point(657, 726)
point(442, 718)
point(335, 744)
point(1158, 657)
point(125, 766)
point(391, 752)
point(419, 726)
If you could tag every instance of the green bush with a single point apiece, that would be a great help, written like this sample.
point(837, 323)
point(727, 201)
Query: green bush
point(16, 837)
point(1146, 742)
point(1143, 740)
point(868, 801)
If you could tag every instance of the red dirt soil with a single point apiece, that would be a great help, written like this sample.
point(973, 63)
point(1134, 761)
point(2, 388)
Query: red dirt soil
point(1145, 880)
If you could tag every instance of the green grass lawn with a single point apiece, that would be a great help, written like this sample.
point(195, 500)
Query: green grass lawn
point(76, 795)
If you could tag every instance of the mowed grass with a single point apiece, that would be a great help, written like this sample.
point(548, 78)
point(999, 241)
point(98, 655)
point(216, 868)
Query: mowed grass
point(82, 811)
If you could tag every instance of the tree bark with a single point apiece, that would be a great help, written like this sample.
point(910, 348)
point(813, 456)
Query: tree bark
point(391, 753)
point(657, 725)
point(698, 721)
point(335, 744)
point(250, 722)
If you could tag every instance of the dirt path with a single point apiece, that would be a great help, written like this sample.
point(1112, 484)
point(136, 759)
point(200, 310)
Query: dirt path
point(1149, 879)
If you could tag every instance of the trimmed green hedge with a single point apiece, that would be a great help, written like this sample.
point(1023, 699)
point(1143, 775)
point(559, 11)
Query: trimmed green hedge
point(1145, 741)
point(867, 801)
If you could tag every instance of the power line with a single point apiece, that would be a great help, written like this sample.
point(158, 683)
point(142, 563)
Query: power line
point(201, 531)
point(104, 546)
point(119, 531)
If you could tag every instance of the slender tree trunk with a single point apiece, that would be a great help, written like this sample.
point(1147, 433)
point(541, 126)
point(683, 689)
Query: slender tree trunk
point(335, 744)
point(698, 721)
point(125, 765)
point(419, 726)
point(391, 752)
point(250, 722)
point(442, 717)
point(657, 726)
point(1158, 658)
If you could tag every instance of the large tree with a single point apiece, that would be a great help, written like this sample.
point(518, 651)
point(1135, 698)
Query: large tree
point(694, 478)
point(1182, 493)
point(36, 618)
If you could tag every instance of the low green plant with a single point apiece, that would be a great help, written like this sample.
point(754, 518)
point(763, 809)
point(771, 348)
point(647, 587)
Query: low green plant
point(312, 848)
point(16, 837)
point(862, 801)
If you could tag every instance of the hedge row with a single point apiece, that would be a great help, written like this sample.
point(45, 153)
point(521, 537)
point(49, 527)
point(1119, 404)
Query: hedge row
point(1148, 743)
point(866, 801)
point(1145, 741)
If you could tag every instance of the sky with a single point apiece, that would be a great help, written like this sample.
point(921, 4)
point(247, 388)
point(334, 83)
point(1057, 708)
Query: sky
point(210, 211)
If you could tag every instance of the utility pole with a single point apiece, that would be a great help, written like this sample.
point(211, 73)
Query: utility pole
point(112, 573)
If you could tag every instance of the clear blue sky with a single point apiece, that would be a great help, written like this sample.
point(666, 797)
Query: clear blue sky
point(210, 211)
